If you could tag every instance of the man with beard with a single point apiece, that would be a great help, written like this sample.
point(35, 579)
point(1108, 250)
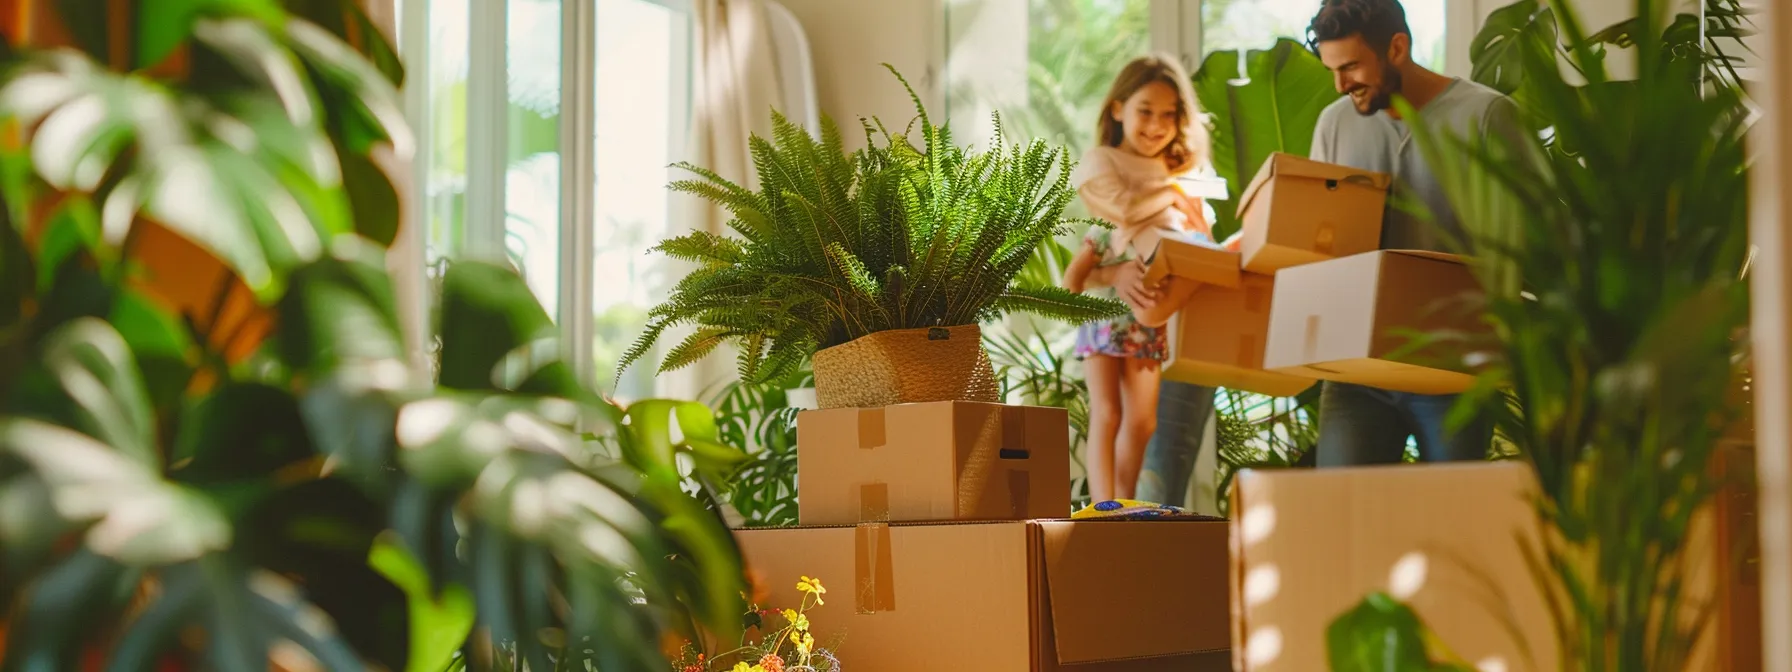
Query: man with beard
point(1368, 47)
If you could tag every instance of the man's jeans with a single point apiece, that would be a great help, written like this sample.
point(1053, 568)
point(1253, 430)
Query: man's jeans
point(1361, 425)
point(1182, 412)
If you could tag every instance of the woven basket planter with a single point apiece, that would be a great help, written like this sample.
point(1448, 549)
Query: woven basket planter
point(906, 366)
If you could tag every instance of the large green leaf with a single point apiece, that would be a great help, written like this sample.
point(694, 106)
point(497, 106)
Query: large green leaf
point(440, 622)
point(1381, 634)
point(1499, 53)
point(325, 530)
point(488, 312)
point(339, 311)
point(136, 517)
point(162, 25)
point(95, 369)
point(1274, 108)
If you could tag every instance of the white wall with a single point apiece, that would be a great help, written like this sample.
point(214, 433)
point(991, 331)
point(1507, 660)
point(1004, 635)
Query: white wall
point(849, 39)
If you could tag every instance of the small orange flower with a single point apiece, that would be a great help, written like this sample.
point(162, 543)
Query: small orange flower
point(772, 663)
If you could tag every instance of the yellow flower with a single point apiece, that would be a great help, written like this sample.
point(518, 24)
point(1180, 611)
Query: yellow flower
point(812, 587)
point(743, 667)
point(798, 621)
point(805, 644)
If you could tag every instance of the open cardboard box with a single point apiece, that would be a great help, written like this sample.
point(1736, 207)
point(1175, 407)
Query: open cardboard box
point(1352, 320)
point(1219, 336)
point(948, 460)
point(1298, 211)
point(1026, 596)
point(1181, 267)
point(1308, 545)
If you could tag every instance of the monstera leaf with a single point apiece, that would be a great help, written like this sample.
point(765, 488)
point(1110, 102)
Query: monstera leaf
point(1499, 50)
point(1269, 105)
point(1382, 634)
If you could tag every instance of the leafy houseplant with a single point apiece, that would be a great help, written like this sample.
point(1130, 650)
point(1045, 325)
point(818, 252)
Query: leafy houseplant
point(262, 477)
point(833, 249)
point(761, 420)
point(1273, 108)
point(1613, 269)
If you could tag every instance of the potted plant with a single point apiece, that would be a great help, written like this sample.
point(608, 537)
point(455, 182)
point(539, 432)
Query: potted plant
point(879, 264)
point(266, 478)
point(1614, 272)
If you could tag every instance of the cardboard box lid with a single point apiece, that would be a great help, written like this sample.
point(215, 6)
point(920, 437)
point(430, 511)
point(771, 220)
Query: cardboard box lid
point(1105, 608)
point(1200, 261)
point(1281, 164)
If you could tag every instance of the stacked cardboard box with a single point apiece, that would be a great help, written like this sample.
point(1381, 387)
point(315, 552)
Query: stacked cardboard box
point(1309, 296)
point(939, 528)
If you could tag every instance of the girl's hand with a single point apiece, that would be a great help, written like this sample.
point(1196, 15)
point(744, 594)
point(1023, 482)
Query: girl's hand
point(1192, 209)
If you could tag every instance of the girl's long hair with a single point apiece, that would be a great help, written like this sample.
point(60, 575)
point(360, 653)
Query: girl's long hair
point(1191, 147)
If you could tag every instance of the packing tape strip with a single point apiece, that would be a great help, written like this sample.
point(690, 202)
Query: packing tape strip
point(1250, 351)
point(874, 502)
point(1020, 493)
point(1310, 346)
point(871, 428)
point(874, 579)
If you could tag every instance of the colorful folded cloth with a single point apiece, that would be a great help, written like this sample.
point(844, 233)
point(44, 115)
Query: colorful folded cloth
point(1131, 508)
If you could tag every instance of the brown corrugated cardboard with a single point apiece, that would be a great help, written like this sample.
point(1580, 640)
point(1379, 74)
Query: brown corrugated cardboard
point(1308, 545)
point(1219, 336)
point(1345, 319)
point(1184, 267)
point(1298, 211)
point(1206, 264)
point(1107, 596)
point(949, 460)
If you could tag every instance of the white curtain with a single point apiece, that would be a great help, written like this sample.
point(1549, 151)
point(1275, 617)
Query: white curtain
point(735, 87)
point(404, 260)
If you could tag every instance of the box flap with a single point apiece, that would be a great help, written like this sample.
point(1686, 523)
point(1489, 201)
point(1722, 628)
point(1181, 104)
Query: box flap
point(1201, 261)
point(1110, 601)
point(1281, 164)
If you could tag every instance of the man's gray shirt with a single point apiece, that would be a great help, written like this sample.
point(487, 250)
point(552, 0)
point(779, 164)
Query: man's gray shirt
point(1384, 144)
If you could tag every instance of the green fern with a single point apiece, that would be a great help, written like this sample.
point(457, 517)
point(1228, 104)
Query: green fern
point(836, 246)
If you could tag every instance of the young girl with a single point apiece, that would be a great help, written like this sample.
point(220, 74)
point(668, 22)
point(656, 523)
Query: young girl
point(1148, 133)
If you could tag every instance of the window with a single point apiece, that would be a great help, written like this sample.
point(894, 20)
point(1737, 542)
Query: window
point(503, 178)
point(1048, 78)
point(642, 108)
point(532, 147)
point(1228, 25)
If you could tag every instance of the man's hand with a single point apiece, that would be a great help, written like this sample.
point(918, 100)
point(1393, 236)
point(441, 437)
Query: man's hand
point(1129, 282)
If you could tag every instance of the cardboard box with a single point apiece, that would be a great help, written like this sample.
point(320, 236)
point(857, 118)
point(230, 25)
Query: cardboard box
point(1184, 267)
point(1298, 211)
point(1218, 340)
point(1197, 262)
point(949, 460)
point(1345, 319)
point(1105, 596)
point(1308, 545)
